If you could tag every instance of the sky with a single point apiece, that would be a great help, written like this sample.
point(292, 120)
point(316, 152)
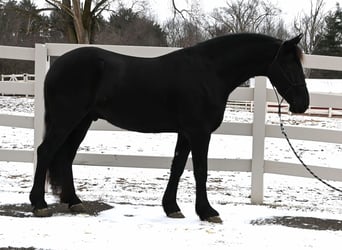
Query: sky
point(290, 8)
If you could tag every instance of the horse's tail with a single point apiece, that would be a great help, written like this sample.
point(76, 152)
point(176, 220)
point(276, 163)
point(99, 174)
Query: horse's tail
point(54, 170)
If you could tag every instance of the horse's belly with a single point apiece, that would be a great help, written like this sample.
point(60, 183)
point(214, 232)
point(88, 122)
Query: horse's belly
point(144, 126)
point(138, 120)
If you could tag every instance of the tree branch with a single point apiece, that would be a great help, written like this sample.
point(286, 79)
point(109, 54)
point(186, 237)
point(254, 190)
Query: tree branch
point(61, 6)
point(178, 11)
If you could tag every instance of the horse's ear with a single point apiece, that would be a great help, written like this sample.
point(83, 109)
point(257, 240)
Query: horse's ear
point(288, 45)
point(295, 40)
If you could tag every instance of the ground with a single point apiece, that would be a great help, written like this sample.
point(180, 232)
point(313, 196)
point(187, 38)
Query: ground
point(125, 212)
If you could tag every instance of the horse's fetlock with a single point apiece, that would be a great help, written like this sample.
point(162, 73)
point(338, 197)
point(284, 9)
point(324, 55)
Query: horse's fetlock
point(206, 212)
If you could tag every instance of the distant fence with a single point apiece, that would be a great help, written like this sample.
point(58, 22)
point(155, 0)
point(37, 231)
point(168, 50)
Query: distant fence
point(17, 78)
point(14, 82)
point(273, 108)
point(258, 129)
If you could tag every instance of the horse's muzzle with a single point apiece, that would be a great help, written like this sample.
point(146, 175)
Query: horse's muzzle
point(298, 110)
point(300, 100)
point(300, 105)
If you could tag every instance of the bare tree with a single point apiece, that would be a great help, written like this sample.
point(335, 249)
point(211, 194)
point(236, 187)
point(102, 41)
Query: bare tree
point(192, 11)
point(274, 27)
point(311, 25)
point(243, 16)
point(80, 17)
point(185, 28)
point(183, 33)
point(128, 27)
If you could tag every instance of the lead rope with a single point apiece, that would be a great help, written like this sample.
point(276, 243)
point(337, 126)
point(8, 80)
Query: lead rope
point(283, 131)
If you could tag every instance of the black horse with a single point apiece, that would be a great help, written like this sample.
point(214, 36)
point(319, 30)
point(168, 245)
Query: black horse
point(183, 92)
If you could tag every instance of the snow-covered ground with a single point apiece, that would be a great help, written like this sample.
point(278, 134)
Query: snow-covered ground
point(298, 213)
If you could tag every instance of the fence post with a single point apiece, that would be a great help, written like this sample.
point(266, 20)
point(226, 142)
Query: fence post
point(259, 126)
point(40, 67)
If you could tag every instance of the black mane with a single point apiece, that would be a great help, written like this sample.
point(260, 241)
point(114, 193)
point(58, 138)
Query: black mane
point(237, 39)
point(221, 43)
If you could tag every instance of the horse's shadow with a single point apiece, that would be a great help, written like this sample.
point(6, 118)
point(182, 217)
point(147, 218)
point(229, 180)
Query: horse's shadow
point(92, 208)
point(311, 223)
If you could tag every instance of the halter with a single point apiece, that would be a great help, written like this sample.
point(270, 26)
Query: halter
point(282, 127)
point(284, 74)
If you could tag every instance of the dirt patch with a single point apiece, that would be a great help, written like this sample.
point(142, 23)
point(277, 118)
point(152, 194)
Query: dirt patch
point(25, 210)
point(301, 222)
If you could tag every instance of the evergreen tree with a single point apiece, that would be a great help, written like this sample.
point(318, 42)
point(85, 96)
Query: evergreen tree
point(21, 24)
point(330, 43)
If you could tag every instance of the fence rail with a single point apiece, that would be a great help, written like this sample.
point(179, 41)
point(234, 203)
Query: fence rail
point(17, 78)
point(258, 129)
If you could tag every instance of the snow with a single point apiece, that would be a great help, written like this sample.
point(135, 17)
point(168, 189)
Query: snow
point(137, 220)
point(325, 86)
point(316, 85)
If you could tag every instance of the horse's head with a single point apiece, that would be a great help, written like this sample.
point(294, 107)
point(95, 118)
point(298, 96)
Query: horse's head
point(287, 76)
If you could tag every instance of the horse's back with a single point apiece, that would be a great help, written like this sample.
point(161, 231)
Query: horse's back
point(127, 91)
point(159, 94)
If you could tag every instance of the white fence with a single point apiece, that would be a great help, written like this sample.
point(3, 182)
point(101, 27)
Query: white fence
point(17, 78)
point(258, 129)
point(273, 108)
point(9, 81)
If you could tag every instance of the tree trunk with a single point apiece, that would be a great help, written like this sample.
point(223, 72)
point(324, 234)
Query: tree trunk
point(69, 32)
point(82, 33)
point(79, 17)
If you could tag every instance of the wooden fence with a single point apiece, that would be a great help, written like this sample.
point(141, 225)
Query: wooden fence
point(258, 129)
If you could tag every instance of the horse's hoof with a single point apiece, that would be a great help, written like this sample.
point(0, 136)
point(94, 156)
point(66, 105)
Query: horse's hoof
point(176, 215)
point(43, 212)
point(78, 209)
point(214, 219)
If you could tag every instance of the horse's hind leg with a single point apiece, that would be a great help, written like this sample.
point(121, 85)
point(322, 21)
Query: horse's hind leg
point(63, 164)
point(56, 135)
point(46, 152)
point(177, 168)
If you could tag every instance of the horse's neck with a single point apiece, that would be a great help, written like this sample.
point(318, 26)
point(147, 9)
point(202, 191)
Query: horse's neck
point(245, 60)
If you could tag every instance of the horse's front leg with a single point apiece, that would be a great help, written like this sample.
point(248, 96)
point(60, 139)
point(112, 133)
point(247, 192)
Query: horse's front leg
point(182, 151)
point(199, 148)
